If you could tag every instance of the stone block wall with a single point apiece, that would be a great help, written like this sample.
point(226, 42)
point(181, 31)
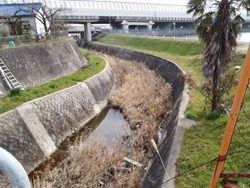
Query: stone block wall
point(16, 138)
point(99, 88)
point(33, 130)
point(39, 63)
point(66, 111)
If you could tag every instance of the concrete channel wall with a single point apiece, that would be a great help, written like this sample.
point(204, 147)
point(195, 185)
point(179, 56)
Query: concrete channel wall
point(40, 63)
point(172, 73)
point(34, 130)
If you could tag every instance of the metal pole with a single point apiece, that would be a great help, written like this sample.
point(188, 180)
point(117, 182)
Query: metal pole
point(235, 111)
point(13, 170)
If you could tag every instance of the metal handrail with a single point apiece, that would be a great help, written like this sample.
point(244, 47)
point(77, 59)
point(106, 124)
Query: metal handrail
point(13, 170)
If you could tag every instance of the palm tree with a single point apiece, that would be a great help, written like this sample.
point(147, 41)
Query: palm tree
point(218, 26)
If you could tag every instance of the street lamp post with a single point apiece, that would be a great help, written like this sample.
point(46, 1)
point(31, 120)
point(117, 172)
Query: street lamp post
point(137, 25)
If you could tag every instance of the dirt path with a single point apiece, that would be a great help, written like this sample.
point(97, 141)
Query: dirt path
point(242, 48)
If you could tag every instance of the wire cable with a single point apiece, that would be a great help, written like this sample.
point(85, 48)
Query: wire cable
point(157, 185)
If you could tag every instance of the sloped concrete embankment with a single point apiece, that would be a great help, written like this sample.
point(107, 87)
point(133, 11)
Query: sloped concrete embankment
point(33, 131)
point(39, 63)
point(173, 74)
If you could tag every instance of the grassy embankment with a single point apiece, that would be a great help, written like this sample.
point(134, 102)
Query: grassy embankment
point(201, 143)
point(95, 65)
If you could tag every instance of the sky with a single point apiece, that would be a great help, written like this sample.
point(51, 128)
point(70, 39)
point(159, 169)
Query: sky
point(170, 2)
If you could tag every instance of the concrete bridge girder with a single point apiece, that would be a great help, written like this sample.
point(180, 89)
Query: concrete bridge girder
point(126, 24)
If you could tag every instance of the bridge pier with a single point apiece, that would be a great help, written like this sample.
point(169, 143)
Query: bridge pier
point(82, 34)
point(87, 32)
point(125, 25)
point(150, 23)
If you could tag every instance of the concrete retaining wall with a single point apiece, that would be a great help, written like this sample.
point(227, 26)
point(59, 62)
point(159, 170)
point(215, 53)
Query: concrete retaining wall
point(33, 131)
point(172, 74)
point(39, 63)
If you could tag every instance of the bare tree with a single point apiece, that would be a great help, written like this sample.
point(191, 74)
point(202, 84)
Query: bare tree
point(45, 14)
point(13, 22)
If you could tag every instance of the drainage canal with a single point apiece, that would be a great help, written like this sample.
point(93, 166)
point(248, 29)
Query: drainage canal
point(109, 124)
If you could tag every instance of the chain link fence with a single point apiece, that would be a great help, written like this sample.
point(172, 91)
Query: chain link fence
point(32, 38)
point(164, 33)
point(238, 156)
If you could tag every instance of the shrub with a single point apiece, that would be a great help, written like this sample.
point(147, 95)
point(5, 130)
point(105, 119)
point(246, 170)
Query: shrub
point(190, 113)
point(213, 115)
point(15, 92)
point(53, 85)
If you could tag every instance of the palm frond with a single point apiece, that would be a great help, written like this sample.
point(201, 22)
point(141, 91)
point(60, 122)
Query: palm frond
point(239, 20)
point(197, 7)
point(246, 5)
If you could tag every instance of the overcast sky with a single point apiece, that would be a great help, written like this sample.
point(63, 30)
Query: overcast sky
point(170, 2)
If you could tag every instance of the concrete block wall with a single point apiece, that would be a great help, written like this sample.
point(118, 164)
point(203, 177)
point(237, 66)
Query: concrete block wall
point(99, 88)
point(172, 73)
point(16, 138)
point(39, 63)
point(33, 130)
point(65, 112)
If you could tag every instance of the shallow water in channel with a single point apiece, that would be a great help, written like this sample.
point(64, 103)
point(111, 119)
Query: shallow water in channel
point(109, 124)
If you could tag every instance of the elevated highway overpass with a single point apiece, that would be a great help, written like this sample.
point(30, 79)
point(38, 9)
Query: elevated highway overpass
point(124, 15)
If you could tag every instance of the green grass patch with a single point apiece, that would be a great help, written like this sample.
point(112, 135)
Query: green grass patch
point(201, 143)
point(16, 97)
point(172, 46)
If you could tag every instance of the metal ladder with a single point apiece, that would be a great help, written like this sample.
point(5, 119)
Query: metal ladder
point(9, 77)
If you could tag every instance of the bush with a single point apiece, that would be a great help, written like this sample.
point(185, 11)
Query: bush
point(53, 85)
point(190, 113)
point(15, 92)
point(213, 115)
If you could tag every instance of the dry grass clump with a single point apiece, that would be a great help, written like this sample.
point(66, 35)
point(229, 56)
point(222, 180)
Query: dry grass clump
point(92, 164)
point(143, 97)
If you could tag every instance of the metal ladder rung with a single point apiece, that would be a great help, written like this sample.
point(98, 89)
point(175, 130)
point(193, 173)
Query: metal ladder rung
point(9, 77)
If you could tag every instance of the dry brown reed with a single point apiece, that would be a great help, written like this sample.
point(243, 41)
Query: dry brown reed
point(144, 98)
point(91, 164)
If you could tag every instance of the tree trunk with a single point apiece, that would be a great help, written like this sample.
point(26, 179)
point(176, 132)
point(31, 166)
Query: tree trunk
point(214, 100)
point(215, 88)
